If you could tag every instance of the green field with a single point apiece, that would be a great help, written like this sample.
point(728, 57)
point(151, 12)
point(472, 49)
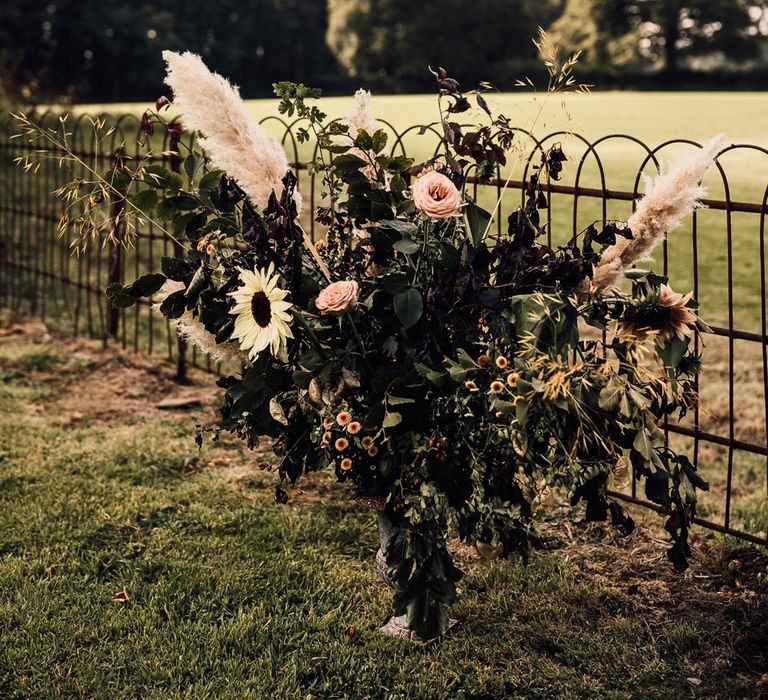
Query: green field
point(133, 566)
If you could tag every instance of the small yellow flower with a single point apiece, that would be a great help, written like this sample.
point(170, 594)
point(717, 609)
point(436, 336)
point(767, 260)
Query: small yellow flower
point(210, 249)
point(497, 387)
point(341, 444)
point(470, 385)
point(201, 245)
point(327, 422)
point(518, 399)
point(346, 464)
point(501, 362)
point(484, 361)
point(344, 417)
point(327, 435)
point(354, 427)
point(373, 451)
point(512, 378)
point(367, 442)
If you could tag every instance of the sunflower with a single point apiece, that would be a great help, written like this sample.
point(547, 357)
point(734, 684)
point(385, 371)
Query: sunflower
point(668, 314)
point(262, 313)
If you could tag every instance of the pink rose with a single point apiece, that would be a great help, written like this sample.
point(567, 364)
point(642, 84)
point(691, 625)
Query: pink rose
point(337, 297)
point(436, 196)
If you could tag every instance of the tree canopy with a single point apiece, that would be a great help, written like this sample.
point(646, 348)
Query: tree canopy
point(110, 50)
point(665, 34)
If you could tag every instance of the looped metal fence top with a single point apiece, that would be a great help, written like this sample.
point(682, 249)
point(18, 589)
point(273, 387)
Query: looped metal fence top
point(719, 254)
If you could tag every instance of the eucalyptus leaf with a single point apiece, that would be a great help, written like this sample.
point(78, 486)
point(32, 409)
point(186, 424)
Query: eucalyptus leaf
point(406, 246)
point(174, 304)
point(408, 307)
point(146, 285)
point(391, 420)
point(478, 220)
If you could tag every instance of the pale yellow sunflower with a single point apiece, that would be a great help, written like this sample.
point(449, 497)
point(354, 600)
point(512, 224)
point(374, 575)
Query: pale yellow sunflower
point(668, 315)
point(262, 313)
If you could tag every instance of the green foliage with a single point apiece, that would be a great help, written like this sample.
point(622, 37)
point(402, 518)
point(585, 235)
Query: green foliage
point(391, 53)
point(442, 371)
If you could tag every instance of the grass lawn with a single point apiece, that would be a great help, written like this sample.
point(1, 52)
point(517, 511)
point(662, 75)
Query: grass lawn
point(133, 566)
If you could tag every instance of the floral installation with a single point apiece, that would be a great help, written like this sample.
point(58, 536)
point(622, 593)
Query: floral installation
point(454, 377)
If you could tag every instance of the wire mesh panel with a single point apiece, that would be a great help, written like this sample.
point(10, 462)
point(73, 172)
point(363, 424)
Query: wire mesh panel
point(719, 253)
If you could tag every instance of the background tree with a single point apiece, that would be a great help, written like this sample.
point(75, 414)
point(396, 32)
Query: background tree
point(388, 44)
point(110, 50)
point(661, 33)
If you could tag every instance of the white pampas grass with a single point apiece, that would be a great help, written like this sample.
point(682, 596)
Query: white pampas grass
point(669, 197)
point(361, 115)
point(233, 140)
point(192, 330)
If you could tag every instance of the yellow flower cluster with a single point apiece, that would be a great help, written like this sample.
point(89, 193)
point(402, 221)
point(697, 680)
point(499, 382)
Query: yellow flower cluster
point(342, 444)
point(497, 385)
point(206, 243)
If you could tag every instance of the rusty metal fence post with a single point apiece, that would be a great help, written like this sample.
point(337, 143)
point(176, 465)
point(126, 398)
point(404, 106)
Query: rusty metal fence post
point(182, 375)
point(115, 254)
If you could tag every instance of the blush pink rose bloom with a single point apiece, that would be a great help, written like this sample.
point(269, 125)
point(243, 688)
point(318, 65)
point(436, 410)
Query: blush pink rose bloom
point(337, 297)
point(436, 196)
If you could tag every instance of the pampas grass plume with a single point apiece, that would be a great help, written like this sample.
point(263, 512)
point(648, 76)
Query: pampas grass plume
point(233, 140)
point(669, 197)
point(361, 115)
point(191, 329)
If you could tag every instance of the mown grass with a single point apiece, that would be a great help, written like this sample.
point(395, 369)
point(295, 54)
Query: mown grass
point(230, 595)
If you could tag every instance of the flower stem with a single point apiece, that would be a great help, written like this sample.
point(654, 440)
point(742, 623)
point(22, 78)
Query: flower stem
point(359, 341)
point(310, 333)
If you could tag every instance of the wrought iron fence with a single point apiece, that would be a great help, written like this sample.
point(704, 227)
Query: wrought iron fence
point(720, 254)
